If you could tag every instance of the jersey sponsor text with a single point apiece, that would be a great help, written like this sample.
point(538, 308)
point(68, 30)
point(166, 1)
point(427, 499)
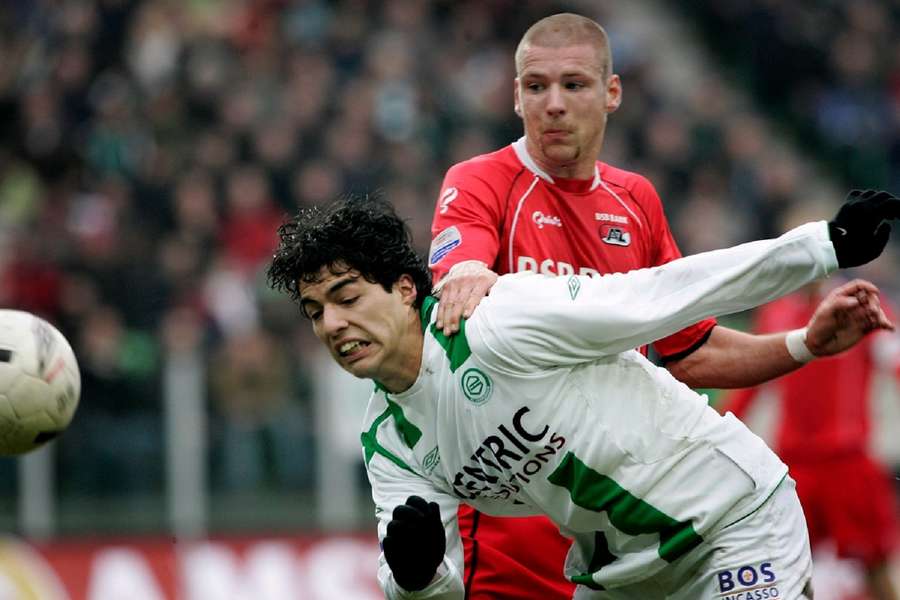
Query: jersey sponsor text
point(548, 266)
point(748, 582)
point(611, 218)
point(514, 452)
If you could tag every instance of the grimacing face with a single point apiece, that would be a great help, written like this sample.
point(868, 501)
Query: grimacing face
point(369, 332)
point(564, 101)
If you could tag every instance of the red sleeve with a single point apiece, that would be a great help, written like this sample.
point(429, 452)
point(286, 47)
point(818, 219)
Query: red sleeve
point(467, 221)
point(665, 250)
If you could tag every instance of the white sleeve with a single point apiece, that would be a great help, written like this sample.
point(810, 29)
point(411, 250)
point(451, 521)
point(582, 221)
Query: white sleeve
point(532, 320)
point(391, 486)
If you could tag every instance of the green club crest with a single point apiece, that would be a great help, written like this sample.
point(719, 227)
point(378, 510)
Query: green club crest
point(476, 386)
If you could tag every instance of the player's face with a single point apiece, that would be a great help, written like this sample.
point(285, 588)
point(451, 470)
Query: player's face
point(563, 99)
point(371, 333)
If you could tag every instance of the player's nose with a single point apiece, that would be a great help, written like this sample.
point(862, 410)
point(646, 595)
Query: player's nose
point(555, 101)
point(333, 320)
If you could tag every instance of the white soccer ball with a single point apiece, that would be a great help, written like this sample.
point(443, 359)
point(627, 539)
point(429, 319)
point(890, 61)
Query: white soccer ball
point(39, 382)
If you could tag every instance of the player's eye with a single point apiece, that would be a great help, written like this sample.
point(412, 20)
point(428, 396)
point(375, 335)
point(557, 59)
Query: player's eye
point(534, 87)
point(574, 85)
point(349, 301)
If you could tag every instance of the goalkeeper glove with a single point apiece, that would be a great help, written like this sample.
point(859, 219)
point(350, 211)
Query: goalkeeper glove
point(415, 543)
point(858, 231)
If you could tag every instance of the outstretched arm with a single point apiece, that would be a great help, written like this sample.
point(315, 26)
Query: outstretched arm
point(531, 319)
point(858, 232)
point(734, 359)
point(576, 319)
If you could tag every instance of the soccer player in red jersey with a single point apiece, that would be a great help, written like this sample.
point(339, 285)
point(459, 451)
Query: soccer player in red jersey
point(823, 437)
point(545, 203)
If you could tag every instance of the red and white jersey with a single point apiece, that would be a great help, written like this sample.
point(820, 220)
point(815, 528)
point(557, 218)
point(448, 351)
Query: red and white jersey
point(502, 209)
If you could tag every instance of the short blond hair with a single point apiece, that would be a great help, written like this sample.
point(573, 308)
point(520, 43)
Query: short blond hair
point(563, 30)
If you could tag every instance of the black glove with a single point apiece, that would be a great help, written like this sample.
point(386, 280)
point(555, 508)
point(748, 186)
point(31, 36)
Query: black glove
point(415, 543)
point(858, 231)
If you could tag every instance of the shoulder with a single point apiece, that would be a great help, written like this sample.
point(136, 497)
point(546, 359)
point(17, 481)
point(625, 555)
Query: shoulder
point(507, 315)
point(498, 166)
point(636, 188)
point(635, 184)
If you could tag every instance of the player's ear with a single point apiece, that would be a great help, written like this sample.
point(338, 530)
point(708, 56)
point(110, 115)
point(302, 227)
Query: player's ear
point(406, 287)
point(516, 106)
point(613, 93)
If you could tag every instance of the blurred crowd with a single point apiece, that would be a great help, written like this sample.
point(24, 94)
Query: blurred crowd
point(150, 148)
point(831, 70)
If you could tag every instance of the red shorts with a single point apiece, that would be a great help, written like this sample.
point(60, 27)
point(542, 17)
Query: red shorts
point(513, 558)
point(850, 501)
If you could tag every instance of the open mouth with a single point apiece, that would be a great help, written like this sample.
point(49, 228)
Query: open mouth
point(349, 348)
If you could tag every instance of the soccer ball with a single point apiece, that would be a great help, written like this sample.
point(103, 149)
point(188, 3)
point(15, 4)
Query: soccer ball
point(39, 382)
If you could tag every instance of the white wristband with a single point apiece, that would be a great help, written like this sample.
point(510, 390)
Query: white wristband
point(796, 346)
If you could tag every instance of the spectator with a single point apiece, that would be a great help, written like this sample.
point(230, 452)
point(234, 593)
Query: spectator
point(251, 387)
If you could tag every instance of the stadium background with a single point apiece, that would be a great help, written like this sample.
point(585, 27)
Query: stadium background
point(149, 148)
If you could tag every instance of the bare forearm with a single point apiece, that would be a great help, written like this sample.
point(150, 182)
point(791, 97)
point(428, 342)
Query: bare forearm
point(733, 359)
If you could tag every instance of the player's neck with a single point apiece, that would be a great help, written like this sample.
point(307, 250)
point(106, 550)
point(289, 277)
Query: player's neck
point(578, 172)
point(401, 370)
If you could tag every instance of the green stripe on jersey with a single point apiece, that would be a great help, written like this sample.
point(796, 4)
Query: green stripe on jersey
point(456, 346)
point(371, 447)
point(409, 432)
point(425, 311)
point(602, 557)
point(596, 492)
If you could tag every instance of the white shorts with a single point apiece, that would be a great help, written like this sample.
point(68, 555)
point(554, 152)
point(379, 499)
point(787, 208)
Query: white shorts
point(764, 556)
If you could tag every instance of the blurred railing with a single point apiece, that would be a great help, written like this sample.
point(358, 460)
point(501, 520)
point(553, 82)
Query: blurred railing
point(189, 504)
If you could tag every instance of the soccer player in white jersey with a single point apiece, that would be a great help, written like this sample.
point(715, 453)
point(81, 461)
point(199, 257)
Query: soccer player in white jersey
point(538, 405)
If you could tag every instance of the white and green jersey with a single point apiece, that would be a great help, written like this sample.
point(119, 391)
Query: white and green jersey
point(539, 406)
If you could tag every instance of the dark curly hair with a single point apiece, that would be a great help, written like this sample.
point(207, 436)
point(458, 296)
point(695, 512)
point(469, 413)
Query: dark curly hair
point(357, 232)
